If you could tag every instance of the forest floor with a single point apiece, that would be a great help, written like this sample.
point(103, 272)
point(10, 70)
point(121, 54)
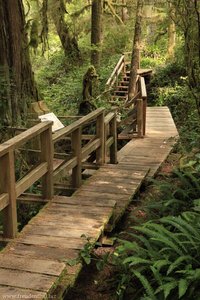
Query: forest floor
point(93, 284)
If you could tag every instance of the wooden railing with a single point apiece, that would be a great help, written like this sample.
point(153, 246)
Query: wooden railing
point(97, 142)
point(114, 77)
point(9, 188)
point(80, 152)
point(119, 70)
point(104, 139)
point(137, 108)
point(137, 105)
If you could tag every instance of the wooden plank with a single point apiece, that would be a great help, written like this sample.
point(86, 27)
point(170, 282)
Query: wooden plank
point(41, 266)
point(66, 165)
point(22, 279)
point(10, 292)
point(41, 240)
point(90, 147)
point(96, 223)
point(41, 252)
point(84, 201)
point(110, 190)
point(24, 183)
point(71, 231)
point(4, 200)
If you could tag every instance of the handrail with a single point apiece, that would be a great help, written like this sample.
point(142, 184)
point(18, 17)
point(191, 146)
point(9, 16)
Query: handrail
point(24, 137)
point(116, 72)
point(9, 188)
point(75, 125)
point(103, 140)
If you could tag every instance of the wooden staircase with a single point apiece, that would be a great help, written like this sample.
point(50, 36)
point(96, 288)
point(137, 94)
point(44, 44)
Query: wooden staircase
point(121, 90)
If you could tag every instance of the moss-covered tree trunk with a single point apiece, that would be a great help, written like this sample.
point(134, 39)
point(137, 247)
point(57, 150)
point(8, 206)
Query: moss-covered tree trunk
point(96, 32)
point(135, 58)
point(69, 43)
point(17, 86)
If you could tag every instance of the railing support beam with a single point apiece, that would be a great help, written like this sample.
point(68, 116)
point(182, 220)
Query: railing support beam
point(7, 185)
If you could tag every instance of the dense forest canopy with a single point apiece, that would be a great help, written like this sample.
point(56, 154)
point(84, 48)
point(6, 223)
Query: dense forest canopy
point(71, 35)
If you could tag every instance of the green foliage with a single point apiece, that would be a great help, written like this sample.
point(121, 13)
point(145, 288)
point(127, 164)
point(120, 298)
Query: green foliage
point(163, 262)
point(178, 193)
point(85, 255)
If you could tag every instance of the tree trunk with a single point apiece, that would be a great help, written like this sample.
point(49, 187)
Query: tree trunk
point(135, 59)
point(69, 43)
point(17, 86)
point(171, 32)
point(96, 32)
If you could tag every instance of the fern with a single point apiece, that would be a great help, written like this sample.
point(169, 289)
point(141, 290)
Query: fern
point(178, 261)
point(148, 288)
point(182, 287)
point(166, 288)
point(132, 260)
point(158, 264)
point(157, 275)
point(182, 226)
point(167, 233)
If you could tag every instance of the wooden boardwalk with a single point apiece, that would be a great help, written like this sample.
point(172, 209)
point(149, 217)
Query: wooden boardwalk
point(34, 264)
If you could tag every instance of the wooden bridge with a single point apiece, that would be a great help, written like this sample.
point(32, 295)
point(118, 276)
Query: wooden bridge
point(33, 264)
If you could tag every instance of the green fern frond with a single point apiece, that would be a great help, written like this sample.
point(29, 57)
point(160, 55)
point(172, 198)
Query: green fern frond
point(182, 287)
point(148, 288)
point(178, 261)
point(167, 233)
point(157, 275)
point(161, 263)
point(150, 251)
point(166, 288)
point(127, 246)
point(132, 260)
point(182, 226)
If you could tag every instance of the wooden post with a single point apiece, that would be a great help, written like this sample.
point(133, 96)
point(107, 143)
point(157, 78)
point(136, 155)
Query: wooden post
point(144, 115)
point(47, 156)
point(113, 148)
point(140, 117)
point(7, 185)
point(100, 153)
point(76, 148)
point(106, 134)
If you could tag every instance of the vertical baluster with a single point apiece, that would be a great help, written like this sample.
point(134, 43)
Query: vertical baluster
point(100, 153)
point(47, 156)
point(140, 117)
point(76, 148)
point(113, 148)
point(144, 114)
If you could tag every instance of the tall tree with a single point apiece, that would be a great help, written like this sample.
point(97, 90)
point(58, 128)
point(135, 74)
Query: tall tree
point(96, 32)
point(69, 42)
point(135, 58)
point(171, 32)
point(188, 20)
point(17, 86)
